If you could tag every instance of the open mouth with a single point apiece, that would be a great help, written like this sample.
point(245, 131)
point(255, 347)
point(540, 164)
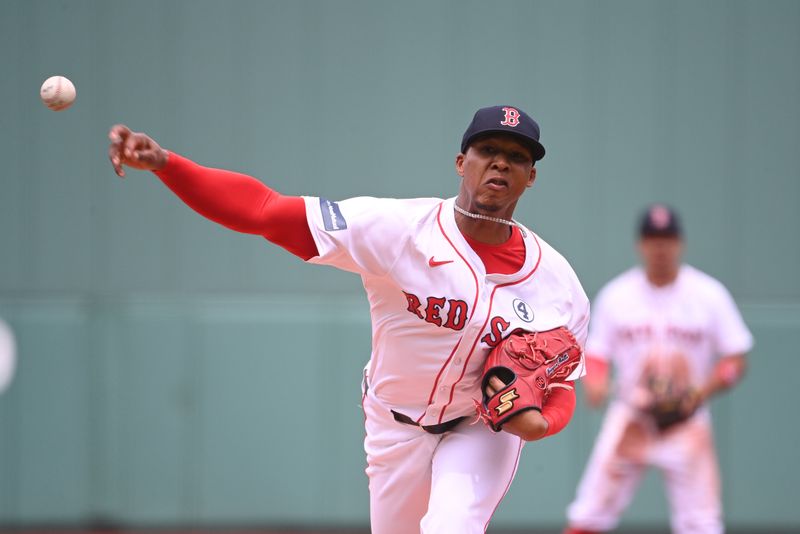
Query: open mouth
point(497, 183)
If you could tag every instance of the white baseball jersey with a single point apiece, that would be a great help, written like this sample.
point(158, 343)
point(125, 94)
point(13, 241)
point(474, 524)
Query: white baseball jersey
point(435, 312)
point(695, 317)
point(686, 326)
point(435, 316)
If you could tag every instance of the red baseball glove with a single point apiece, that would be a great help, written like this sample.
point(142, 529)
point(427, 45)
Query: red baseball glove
point(529, 364)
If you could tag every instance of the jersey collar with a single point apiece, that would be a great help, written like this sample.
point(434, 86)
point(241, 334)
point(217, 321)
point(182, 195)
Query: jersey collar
point(532, 249)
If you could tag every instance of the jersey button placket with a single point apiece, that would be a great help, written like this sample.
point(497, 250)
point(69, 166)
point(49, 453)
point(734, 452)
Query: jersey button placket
point(454, 370)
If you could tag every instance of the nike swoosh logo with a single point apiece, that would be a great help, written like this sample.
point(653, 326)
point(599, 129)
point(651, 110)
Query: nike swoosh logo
point(434, 263)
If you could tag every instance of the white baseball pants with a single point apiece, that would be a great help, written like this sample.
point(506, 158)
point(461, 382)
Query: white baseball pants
point(449, 483)
point(625, 449)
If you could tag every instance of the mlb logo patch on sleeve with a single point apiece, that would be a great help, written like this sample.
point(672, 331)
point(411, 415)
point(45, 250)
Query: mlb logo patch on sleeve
point(332, 215)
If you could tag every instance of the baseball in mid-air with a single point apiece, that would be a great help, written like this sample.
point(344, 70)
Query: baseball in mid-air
point(57, 93)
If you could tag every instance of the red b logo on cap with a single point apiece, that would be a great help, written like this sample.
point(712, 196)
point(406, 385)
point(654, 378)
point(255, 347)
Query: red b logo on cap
point(511, 118)
point(659, 217)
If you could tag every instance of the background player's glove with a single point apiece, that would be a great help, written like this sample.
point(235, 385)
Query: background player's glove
point(665, 392)
point(529, 364)
point(670, 404)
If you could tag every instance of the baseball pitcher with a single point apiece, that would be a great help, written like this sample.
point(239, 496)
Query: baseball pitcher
point(448, 281)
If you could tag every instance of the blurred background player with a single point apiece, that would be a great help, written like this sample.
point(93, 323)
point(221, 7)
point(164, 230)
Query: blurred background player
point(675, 338)
point(8, 355)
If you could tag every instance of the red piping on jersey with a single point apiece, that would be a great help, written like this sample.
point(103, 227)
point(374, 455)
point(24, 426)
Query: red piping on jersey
point(436, 382)
point(364, 411)
point(488, 314)
point(508, 486)
point(472, 311)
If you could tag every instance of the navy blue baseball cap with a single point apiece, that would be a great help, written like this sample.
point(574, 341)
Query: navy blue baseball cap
point(506, 119)
point(660, 220)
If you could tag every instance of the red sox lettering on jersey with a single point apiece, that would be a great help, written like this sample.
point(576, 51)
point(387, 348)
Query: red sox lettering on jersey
point(435, 312)
point(456, 316)
point(456, 312)
point(645, 333)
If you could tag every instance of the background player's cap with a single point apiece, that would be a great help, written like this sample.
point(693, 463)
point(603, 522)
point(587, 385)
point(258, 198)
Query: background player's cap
point(504, 119)
point(660, 220)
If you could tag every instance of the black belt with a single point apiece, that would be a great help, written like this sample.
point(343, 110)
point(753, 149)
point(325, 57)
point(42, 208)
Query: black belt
point(431, 429)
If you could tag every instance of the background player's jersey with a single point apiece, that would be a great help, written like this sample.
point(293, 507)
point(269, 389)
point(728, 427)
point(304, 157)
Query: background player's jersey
point(689, 323)
point(8, 355)
point(435, 312)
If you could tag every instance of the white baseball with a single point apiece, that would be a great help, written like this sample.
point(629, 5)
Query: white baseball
point(57, 93)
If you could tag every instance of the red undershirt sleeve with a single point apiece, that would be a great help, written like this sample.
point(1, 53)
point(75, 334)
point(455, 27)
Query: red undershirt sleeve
point(558, 409)
point(241, 203)
point(596, 370)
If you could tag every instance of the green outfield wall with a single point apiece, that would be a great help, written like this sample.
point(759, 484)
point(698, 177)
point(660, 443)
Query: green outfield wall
point(160, 377)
